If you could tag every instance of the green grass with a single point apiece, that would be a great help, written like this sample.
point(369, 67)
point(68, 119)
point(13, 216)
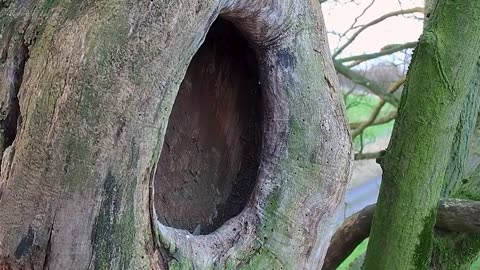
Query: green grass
point(359, 108)
point(357, 252)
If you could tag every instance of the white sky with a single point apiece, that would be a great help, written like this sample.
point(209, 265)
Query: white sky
point(400, 29)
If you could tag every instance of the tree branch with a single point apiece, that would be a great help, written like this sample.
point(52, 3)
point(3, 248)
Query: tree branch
point(348, 236)
point(379, 121)
point(372, 85)
point(453, 215)
point(363, 125)
point(376, 21)
point(362, 156)
point(370, 120)
point(387, 50)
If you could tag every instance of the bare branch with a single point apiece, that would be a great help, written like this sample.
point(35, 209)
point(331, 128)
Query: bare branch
point(371, 85)
point(370, 121)
point(374, 22)
point(348, 236)
point(387, 50)
point(453, 215)
point(358, 17)
point(362, 156)
point(379, 121)
point(360, 127)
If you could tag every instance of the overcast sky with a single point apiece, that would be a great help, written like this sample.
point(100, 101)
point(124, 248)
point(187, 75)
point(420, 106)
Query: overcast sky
point(339, 17)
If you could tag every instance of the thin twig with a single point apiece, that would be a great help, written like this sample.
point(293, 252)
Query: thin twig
point(374, 22)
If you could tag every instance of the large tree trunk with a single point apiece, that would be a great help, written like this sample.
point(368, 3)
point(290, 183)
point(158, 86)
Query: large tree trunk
point(256, 156)
point(415, 164)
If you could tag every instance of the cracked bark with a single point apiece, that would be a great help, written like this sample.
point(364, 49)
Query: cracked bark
point(94, 100)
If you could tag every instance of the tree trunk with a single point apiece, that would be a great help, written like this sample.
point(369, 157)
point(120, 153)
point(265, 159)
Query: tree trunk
point(414, 165)
point(460, 250)
point(110, 161)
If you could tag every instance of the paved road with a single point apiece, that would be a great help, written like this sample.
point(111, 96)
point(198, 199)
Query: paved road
point(359, 197)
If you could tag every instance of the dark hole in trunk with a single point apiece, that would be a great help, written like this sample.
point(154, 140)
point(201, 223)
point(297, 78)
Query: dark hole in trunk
point(209, 161)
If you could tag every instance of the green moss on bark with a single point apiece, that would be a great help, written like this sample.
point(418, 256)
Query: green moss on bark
point(414, 166)
point(424, 246)
point(114, 231)
point(264, 259)
point(77, 163)
point(180, 265)
point(48, 4)
point(459, 250)
point(456, 250)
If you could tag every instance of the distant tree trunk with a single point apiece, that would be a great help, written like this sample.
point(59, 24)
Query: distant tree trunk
point(415, 162)
point(252, 148)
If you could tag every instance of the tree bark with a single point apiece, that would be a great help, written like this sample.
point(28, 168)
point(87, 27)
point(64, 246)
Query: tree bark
point(446, 253)
point(454, 216)
point(460, 250)
point(414, 165)
point(87, 90)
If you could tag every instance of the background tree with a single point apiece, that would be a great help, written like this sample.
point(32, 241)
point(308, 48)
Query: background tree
point(378, 74)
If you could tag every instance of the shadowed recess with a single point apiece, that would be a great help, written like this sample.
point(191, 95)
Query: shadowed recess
point(209, 160)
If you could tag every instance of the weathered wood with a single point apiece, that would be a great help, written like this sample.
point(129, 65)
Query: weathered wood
point(280, 226)
point(95, 94)
point(458, 215)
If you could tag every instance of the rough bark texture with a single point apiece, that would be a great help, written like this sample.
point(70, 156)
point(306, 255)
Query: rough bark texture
point(461, 160)
point(464, 158)
point(454, 216)
point(87, 88)
point(414, 165)
point(458, 250)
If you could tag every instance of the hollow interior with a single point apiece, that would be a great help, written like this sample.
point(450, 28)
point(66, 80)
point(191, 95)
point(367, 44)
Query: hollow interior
point(210, 156)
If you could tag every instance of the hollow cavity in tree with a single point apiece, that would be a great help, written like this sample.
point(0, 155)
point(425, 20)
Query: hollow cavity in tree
point(208, 166)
